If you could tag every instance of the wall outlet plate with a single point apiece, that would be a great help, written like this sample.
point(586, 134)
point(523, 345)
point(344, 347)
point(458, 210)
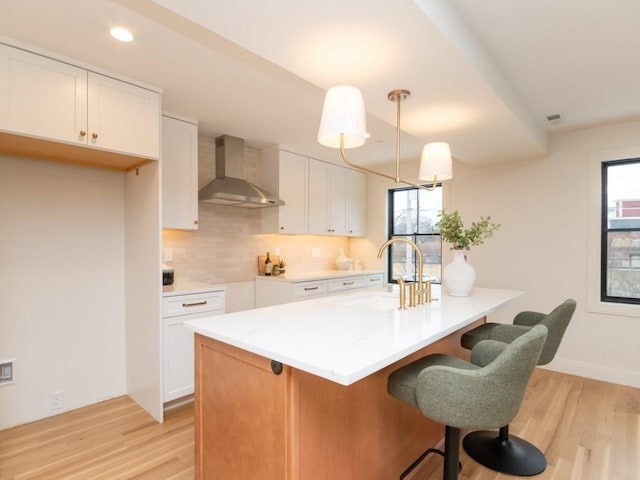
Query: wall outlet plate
point(56, 401)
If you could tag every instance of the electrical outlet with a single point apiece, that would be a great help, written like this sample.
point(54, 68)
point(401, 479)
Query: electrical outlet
point(7, 371)
point(56, 401)
point(315, 252)
point(276, 251)
point(168, 255)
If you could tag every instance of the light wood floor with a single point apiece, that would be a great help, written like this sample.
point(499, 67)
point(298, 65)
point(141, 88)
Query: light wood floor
point(589, 430)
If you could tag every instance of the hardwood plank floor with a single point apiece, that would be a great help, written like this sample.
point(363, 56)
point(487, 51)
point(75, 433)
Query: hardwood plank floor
point(589, 430)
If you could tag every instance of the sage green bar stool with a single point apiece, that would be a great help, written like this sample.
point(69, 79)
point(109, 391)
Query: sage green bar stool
point(501, 451)
point(484, 393)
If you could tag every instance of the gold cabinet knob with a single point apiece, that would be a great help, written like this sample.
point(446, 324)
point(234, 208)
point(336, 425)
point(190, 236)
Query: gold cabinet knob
point(83, 133)
point(94, 135)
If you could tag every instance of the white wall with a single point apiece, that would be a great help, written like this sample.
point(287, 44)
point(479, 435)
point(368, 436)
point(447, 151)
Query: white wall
point(542, 246)
point(61, 286)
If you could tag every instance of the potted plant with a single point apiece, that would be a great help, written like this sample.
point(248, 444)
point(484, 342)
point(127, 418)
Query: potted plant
point(280, 268)
point(459, 276)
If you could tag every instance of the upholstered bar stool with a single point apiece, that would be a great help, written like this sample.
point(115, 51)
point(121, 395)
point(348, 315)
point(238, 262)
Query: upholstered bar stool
point(485, 393)
point(501, 451)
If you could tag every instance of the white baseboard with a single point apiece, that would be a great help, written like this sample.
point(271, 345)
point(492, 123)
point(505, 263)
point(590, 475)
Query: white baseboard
point(597, 372)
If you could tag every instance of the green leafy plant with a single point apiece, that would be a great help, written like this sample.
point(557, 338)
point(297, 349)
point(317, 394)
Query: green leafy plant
point(282, 264)
point(452, 230)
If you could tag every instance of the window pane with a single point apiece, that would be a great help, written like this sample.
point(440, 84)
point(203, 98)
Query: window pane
point(403, 259)
point(623, 264)
point(621, 232)
point(430, 203)
point(623, 195)
point(431, 248)
point(405, 212)
point(402, 265)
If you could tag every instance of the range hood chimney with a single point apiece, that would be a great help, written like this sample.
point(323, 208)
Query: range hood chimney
point(229, 188)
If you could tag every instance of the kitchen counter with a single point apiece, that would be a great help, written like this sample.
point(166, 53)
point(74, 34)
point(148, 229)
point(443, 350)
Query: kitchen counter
point(319, 275)
point(187, 288)
point(344, 338)
point(298, 391)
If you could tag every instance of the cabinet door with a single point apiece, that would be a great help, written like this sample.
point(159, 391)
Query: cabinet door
point(337, 200)
point(327, 199)
point(123, 117)
point(41, 97)
point(356, 203)
point(318, 204)
point(292, 188)
point(179, 174)
point(178, 359)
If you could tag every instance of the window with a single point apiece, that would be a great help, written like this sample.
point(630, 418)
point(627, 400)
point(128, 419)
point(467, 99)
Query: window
point(620, 232)
point(413, 214)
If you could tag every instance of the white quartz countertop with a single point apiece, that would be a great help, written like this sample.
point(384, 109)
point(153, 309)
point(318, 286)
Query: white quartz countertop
point(321, 275)
point(188, 287)
point(344, 338)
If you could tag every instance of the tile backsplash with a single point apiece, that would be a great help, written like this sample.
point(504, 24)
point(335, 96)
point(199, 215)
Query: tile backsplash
point(228, 240)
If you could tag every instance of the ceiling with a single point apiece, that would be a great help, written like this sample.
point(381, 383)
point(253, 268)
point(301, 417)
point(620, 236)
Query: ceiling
point(484, 75)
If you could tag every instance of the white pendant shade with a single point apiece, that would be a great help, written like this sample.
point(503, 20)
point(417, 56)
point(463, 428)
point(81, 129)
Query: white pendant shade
point(343, 113)
point(435, 162)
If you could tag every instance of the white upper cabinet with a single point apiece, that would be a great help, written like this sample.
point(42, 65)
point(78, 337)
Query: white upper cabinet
point(321, 198)
point(55, 106)
point(356, 203)
point(42, 97)
point(123, 117)
point(179, 174)
point(285, 174)
point(327, 199)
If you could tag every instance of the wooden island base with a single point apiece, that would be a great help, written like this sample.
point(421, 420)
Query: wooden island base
point(253, 424)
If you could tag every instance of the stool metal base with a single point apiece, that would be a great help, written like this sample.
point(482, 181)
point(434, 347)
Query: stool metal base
point(504, 453)
point(451, 454)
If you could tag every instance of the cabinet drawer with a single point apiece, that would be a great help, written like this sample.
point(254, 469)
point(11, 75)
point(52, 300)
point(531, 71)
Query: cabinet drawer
point(374, 280)
point(193, 303)
point(308, 289)
point(346, 283)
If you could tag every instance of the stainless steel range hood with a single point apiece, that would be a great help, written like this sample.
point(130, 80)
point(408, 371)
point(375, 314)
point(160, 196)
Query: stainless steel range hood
point(229, 188)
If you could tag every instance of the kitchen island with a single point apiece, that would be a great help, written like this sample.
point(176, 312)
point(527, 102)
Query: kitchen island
point(298, 391)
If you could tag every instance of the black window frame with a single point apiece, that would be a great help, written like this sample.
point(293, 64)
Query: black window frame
point(605, 230)
point(414, 236)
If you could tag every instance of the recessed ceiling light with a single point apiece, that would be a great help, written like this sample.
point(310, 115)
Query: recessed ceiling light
point(121, 34)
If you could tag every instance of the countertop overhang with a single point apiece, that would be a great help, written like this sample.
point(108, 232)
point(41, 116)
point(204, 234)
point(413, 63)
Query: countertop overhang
point(344, 338)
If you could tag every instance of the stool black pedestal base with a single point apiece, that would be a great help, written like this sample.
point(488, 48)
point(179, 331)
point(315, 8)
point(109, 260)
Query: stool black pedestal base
point(504, 453)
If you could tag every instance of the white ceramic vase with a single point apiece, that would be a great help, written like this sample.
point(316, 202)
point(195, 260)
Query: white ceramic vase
point(459, 276)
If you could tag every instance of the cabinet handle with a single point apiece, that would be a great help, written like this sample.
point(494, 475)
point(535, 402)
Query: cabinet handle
point(306, 289)
point(373, 279)
point(281, 228)
point(83, 133)
point(94, 135)
point(195, 222)
point(194, 304)
point(347, 283)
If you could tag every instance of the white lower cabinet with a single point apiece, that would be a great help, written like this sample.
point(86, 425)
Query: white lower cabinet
point(271, 291)
point(178, 360)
